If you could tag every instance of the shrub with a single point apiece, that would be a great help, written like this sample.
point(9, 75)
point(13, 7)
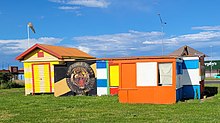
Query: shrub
point(5, 80)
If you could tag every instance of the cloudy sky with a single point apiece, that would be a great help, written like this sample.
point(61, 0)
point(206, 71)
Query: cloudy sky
point(110, 28)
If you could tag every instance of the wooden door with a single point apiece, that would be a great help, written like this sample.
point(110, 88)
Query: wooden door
point(41, 78)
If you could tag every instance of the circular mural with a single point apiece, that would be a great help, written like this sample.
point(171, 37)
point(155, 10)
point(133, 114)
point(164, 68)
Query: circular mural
point(80, 78)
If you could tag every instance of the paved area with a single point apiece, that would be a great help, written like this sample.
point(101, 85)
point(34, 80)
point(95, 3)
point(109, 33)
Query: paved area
point(212, 82)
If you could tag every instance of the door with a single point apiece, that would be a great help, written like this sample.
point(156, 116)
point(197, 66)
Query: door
point(128, 76)
point(41, 78)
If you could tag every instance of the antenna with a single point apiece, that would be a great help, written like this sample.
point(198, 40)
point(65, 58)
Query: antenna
point(162, 23)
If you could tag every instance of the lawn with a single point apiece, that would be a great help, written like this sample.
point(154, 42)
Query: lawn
point(211, 78)
point(15, 107)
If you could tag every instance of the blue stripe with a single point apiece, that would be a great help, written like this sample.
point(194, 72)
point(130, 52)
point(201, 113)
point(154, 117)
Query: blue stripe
point(191, 91)
point(101, 64)
point(190, 64)
point(179, 94)
point(101, 82)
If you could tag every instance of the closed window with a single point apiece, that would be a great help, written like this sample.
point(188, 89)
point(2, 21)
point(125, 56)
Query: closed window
point(165, 74)
point(147, 74)
point(40, 54)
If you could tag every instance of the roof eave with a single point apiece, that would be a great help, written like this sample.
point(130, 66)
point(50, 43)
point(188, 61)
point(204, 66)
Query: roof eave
point(21, 56)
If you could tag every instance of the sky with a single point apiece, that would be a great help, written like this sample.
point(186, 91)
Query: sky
point(110, 28)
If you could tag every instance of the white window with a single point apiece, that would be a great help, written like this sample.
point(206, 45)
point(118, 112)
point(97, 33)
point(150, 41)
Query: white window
point(165, 74)
point(147, 74)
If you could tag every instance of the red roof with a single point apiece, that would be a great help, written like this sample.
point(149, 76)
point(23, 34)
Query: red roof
point(57, 51)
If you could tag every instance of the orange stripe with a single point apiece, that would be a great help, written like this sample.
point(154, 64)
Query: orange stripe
point(32, 66)
point(50, 78)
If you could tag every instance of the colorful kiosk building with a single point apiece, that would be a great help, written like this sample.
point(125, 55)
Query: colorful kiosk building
point(193, 72)
point(39, 61)
point(148, 79)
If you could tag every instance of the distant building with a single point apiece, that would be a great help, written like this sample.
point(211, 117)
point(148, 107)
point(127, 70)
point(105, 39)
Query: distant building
point(18, 74)
point(212, 68)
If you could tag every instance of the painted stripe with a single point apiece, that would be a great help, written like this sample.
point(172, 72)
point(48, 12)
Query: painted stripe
point(102, 91)
point(107, 73)
point(101, 73)
point(101, 82)
point(114, 75)
point(28, 86)
point(33, 79)
point(190, 58)
point(50, 78)
point(113, 90)
point(41, 77)
point(179, 94)
point(191, 77)
point(191, 91)
point(190, 64)
point(101, 64)
point(28, 74)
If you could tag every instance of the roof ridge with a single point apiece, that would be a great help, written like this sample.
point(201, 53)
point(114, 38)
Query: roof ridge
point(57, 51)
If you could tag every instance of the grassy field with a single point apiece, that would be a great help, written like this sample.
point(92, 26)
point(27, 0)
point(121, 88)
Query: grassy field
point(15, 107)
point(211, 78)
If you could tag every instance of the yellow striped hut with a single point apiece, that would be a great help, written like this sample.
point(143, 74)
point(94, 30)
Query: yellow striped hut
point(39, 61)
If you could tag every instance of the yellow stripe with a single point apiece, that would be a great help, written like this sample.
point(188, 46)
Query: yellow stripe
point(114, 75)
point(36, 79)
point(46, 78)
point(28, 75)
point(28, 86)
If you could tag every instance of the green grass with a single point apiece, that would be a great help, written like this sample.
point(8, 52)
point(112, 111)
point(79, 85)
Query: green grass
point(15, 107)
point(211, 78)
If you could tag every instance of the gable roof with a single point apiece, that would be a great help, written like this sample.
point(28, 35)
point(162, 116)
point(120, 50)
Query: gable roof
point(57, 51)
point(186, 51)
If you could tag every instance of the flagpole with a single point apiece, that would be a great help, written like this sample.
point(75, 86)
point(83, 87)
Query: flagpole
point(28, 34)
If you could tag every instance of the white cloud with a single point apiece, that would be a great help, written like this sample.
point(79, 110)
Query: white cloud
point(195, 38)
point(20, 45)
point(85, 3)
point(121, 44)
point(85, 49)
point(207, 28)
point(69, 7)
point(134, 43)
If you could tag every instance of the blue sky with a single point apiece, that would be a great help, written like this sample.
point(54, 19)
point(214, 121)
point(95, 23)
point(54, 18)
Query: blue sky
point(110, 28)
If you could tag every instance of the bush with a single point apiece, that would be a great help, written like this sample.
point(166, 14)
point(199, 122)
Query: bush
point(5, 80)
point(17, 85)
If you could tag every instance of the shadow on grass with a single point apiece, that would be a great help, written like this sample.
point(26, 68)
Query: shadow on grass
point(210, 91)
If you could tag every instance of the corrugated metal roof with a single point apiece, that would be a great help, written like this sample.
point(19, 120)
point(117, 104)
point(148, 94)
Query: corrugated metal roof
point(57, 51)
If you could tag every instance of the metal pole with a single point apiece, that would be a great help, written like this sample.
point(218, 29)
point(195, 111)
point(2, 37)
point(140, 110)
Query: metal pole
point(162, 31)
point(28, 34)
point(162, 38)
point(211, 62)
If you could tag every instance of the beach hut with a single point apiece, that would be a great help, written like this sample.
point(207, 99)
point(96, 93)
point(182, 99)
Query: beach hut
point(153, 79)
point(39, 61)
point(193, 72)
